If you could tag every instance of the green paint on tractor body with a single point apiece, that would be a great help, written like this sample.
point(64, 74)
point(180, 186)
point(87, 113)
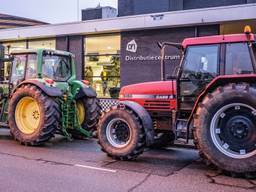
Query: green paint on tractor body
point(54, 72)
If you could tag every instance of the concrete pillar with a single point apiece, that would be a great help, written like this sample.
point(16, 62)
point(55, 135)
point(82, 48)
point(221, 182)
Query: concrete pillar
point(75, 45)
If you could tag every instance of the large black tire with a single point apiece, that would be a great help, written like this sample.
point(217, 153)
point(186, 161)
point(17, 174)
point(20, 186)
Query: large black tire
point(48, 115)
point(92, 110)
point(121, 134)
point(163, 139)
point(225, 129)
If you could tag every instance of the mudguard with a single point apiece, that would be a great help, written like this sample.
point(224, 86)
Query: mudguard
point(49, 90)
point(85, 92)
point(145, 119)
point(220, 81)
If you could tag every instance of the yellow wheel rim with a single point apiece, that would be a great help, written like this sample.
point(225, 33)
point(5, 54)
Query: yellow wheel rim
point(80, 111)
point(27, 115)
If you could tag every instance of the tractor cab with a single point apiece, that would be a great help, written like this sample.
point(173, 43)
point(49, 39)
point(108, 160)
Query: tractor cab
point(48, 65)
point(206, 58)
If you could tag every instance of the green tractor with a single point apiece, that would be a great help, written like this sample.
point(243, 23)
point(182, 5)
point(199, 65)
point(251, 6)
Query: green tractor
point(42, 97)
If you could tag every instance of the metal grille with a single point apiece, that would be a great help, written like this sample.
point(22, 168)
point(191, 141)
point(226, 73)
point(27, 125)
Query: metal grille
point(157, 105)
point(107, 103)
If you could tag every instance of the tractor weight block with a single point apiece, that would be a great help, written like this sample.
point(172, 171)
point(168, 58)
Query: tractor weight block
point(144, 117)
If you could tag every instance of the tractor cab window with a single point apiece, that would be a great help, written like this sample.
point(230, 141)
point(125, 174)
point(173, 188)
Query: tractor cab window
point(254, 49)
point(31, 66)
point(22, 62)
point(200, 66)
point(18, 68)
point(238, 59)
point(57, 67)
point(201, 62)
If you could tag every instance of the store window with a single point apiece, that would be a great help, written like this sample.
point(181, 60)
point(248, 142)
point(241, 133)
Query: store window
point(13, 46)
point(102, 64)
point(46, 44)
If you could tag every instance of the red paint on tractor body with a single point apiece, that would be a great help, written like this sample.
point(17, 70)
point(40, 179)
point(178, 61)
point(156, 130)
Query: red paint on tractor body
point(218, 39)
point(154, 96)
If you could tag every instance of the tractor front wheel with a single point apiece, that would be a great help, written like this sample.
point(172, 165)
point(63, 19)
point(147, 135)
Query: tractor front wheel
point(32, 115)
point(225, 129)
point(121, 134)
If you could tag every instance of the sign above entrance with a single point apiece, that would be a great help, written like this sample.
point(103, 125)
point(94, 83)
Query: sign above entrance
point(132, 46)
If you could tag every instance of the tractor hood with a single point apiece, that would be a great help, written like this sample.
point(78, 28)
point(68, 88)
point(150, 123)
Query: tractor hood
point(156, 89)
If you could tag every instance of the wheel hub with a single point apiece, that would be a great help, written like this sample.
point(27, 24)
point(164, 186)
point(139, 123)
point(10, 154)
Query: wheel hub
point(36, 115)
point(121, 132)
point(239, 128)
point(118, 133)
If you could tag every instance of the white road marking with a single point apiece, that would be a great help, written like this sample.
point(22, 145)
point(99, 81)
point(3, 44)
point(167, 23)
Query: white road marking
point(95, 168)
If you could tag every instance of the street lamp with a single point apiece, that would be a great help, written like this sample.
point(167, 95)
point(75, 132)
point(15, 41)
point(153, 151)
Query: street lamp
point(78, 11)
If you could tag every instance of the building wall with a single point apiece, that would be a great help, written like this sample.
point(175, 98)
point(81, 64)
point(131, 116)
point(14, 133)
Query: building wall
point(193, 4)
point(143, 64)
point(135, 7)
point(75, 45)
point(90, 14)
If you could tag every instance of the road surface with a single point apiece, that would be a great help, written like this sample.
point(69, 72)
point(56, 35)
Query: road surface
point(80, 166)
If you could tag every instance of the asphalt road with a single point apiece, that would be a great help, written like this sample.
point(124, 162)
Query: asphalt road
point(80, 166)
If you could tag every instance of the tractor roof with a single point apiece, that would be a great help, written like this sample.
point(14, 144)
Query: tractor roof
point(58, 52)
point(218, 39)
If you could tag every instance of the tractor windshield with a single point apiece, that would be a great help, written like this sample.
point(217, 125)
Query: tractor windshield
point(201, 62)
point(56, 67)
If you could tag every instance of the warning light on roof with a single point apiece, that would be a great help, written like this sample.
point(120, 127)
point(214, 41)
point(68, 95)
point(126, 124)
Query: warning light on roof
point(247, 29)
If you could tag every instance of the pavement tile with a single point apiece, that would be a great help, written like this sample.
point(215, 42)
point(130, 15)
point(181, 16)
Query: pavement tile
point(235, 182)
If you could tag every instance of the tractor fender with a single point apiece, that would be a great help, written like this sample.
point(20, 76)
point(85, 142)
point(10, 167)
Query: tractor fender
point(85, 92)
point(144, 117)
point(49, 90)
point(220, 81)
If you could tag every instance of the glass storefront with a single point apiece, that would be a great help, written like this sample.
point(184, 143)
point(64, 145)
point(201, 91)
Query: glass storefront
point(102, 64)
point(13, 46)
point(46, 44)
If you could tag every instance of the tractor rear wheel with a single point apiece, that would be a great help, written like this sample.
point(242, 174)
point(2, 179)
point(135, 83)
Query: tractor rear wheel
point(225, 129)
point(88, 111)
point(121, 134)
point(32, 115)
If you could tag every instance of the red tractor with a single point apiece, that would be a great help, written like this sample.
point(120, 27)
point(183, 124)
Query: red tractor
point(212, 100)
